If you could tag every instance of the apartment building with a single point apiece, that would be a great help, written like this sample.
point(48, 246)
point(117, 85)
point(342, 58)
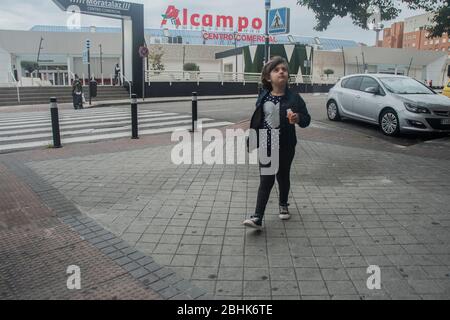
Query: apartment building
point(412, 34)
point(393, 36)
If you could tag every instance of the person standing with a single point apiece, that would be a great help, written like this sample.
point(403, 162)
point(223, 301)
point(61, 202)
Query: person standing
point(16, 75)
point(278, 109)
point(77, 93)
point(117, 74)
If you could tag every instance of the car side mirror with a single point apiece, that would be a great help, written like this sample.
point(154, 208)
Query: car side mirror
point(373, 90)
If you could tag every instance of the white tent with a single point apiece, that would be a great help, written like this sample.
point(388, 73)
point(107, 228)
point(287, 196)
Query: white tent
point(430, 65)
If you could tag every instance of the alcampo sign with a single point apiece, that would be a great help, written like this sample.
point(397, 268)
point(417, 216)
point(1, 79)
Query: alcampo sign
point(183, 18)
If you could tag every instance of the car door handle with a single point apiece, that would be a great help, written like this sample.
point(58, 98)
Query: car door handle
point(358, 97)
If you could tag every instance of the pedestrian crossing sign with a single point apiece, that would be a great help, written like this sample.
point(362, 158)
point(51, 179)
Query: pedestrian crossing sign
point(279, 21)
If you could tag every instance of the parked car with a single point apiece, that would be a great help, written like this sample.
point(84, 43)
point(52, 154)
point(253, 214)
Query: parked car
point(395, 103)
point(446, 91)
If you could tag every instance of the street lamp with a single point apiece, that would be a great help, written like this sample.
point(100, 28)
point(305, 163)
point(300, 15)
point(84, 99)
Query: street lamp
point(101, 60)
point(378, 28)
point(38, 58)
point(266, 45)
point(235, 52)
point(184, 58)
point(39, 51)
point(374, 22)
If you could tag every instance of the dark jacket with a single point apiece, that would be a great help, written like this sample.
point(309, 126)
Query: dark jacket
point(290, 100)
point(77, 87)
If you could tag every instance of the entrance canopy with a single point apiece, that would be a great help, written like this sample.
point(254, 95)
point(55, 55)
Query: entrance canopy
point(132, 16)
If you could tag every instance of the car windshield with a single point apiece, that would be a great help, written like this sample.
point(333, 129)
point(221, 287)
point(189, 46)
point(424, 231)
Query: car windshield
point(404, 86)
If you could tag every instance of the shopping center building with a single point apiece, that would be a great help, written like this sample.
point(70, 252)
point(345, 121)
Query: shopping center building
point(62, 49)
point(219, 49)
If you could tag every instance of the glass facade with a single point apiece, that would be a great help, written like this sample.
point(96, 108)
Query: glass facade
point(196, 37)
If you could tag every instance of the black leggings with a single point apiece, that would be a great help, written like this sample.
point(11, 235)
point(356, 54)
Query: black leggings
point(283, 178)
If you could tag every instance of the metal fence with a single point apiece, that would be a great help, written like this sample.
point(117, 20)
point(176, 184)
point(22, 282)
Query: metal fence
point(221, 77)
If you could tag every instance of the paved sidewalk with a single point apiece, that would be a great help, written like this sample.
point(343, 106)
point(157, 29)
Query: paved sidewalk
point(352, 207)
point(38, 244)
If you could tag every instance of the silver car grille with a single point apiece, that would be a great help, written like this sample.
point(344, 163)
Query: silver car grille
point(442, 113)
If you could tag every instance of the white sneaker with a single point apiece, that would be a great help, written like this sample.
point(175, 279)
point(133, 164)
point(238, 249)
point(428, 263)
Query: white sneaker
point(284, 213)
point(254, 222)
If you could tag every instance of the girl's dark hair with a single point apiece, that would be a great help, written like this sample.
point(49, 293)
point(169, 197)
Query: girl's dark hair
point(268, 68)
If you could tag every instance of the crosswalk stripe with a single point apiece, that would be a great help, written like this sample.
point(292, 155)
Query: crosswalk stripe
point(69, 121)
point(41, 115)
point(26, 132)
point(12, 115)
point(35, 144)
point(65, 118)
point(142, 119)
point(89, 122)
point(93, 130)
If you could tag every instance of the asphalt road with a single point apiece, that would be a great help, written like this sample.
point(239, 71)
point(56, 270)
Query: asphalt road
point(242, 109)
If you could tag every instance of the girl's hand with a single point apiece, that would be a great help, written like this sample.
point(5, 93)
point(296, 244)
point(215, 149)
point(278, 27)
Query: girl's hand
point(295, 118)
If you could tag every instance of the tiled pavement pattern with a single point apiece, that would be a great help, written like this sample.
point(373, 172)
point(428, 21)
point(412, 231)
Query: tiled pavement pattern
point(38, 244)
point(352, 208)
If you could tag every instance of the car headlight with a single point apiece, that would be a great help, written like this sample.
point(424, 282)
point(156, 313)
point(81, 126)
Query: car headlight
point(416, 109)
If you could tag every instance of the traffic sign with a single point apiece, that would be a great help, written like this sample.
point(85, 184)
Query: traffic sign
point(279, 21)
point(267, 4)
point(85, 57)
point(143, 52)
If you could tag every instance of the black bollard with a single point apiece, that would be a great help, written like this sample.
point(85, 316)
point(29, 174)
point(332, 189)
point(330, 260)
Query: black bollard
point(134, 117)
point(194, 112)
point(55, 123)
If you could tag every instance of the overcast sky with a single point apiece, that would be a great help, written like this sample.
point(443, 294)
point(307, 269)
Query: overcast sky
point(24, 14)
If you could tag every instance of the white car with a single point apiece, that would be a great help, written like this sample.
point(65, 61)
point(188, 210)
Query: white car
point(395, 103)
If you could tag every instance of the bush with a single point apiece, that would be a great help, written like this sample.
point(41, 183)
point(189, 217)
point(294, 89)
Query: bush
point(191, 67)
point(155, 58)
point(327, 72)
point(29, 66)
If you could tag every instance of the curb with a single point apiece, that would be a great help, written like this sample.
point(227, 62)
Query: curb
point(113, 103)
point(181, 99)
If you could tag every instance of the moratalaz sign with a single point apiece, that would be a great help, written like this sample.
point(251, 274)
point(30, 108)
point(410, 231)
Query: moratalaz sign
point(132, 16)
point(98, 7)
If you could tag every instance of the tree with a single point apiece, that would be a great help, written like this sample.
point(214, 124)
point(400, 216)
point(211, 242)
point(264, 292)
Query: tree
point(327, 72)
point(190, 66)
point(360, 11)
point(155, 58)
point(29, 66)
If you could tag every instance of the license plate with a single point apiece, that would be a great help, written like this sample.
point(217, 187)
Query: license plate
point(445, 121)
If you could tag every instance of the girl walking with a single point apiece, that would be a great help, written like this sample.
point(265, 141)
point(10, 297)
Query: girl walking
point(279, 110)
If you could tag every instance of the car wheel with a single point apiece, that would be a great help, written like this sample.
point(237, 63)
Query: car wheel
point(389, 123)
point(333, 111)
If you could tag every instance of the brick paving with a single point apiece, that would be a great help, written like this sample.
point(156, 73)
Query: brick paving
point(37, 247)
point(354, 203)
